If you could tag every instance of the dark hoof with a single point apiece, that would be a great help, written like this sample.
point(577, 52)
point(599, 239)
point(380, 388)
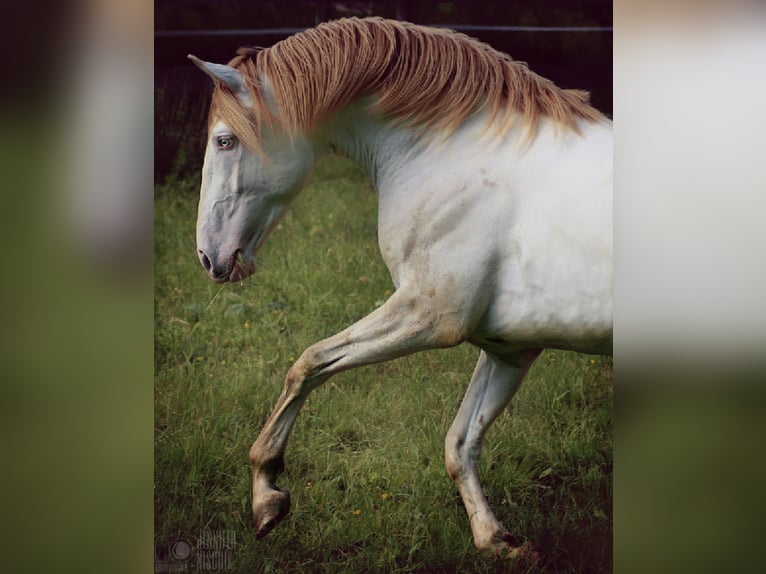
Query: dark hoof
point(270, 512)
point(526, 553)
point(509, 539)
point(506, 546)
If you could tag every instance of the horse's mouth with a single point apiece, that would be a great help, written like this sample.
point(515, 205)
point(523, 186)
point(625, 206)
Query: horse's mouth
point(237, 269)
point(240, 267)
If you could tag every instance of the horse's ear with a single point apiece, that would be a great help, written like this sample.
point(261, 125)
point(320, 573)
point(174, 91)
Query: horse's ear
point(224, 74)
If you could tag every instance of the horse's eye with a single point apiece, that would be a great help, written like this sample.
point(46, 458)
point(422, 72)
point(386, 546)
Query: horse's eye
point(225, 142)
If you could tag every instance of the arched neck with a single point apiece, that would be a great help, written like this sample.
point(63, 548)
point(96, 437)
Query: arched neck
point(379, 147)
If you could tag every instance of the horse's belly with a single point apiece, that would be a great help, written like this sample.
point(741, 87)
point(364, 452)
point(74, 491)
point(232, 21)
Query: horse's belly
point(517, 324)
point(553, 293)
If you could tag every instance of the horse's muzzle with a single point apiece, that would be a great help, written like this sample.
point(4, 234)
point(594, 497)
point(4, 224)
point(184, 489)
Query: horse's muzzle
point(235, 268)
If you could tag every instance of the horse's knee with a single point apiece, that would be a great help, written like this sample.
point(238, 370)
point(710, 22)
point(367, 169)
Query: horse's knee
point(307, 372)
point(300, 372)
point(453, 458)
point(461, 451)
point(294, 380)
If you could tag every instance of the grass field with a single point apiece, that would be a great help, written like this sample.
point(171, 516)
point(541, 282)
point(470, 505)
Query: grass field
point(365, 462)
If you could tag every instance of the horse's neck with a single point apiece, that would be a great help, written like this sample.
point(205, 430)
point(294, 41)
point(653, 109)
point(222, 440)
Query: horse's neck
point(378, 147)
point(389, 153)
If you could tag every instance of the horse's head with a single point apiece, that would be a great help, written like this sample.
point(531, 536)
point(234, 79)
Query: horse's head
point(244, 193)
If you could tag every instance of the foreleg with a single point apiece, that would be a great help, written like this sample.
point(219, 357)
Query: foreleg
point(492, 386)
point(402, 325)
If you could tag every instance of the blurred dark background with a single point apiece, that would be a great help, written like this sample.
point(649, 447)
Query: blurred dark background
point(539, 33)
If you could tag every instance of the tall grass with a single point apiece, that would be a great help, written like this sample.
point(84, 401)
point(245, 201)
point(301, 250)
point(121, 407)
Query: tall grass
point(365, 462)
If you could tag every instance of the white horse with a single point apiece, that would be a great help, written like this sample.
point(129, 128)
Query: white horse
point(495, 208)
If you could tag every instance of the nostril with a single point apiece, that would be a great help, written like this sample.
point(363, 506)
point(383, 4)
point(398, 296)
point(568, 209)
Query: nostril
point(205, 261)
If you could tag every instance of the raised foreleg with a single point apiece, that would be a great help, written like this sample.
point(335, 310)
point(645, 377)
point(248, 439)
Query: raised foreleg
point(402, 325)
point(493, 384)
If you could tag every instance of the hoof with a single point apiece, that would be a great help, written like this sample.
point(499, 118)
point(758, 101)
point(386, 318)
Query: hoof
point(270, 511)
point(524, 553)
point(506, 546)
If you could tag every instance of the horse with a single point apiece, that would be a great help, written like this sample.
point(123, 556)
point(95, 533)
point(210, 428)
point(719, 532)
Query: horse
point(494, 214)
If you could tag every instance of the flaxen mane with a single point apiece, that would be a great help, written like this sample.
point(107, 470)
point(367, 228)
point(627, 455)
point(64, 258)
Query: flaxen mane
point(421, 76)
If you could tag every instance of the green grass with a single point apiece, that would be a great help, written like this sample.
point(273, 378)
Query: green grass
point(365, 462)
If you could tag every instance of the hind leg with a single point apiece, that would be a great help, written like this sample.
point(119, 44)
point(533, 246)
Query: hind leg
point(493, 384)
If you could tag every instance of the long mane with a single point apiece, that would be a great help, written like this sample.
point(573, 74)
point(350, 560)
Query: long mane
point(425, 77)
